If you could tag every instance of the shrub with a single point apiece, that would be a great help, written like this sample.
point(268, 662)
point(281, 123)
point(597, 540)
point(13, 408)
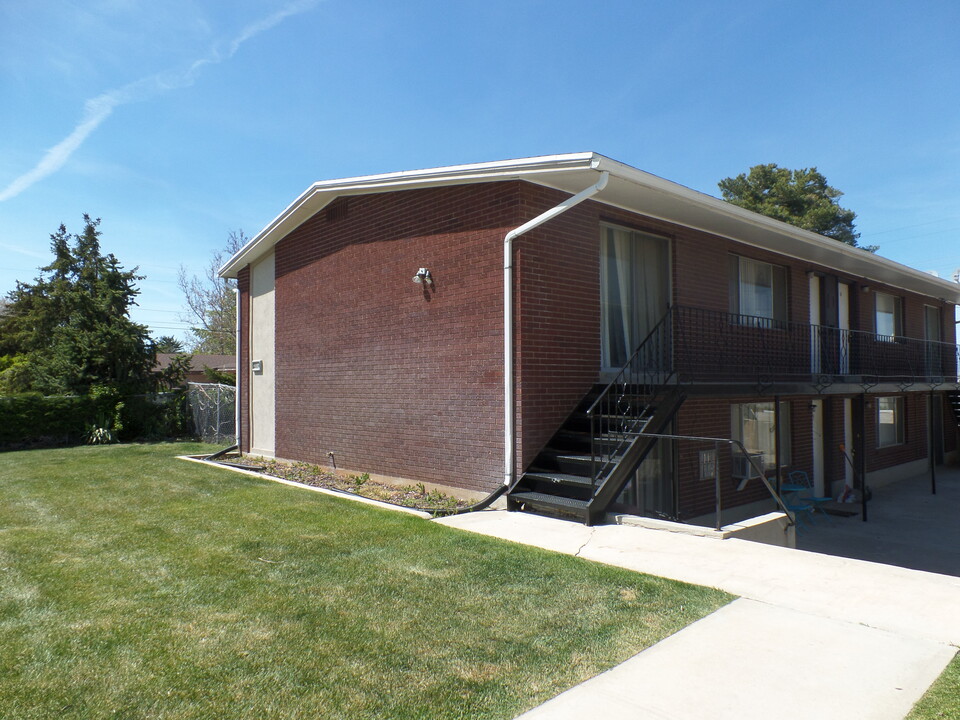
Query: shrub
point(32, 419)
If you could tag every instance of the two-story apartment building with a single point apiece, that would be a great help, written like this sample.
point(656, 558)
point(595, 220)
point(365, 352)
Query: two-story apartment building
point(525, 322)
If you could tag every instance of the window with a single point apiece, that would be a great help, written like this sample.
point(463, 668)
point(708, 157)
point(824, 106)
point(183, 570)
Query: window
point(758, 292)
point(889, 421)
point(755, 425)
point(634, 290)
point(889, 316)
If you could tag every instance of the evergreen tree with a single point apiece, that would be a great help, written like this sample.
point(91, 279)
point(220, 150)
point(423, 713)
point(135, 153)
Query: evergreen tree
point(168, 344)
point(71, 329)
point(799, 197)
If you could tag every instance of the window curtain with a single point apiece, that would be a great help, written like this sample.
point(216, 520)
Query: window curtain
point(756, 289)
point(634, 287)
point(754, 424)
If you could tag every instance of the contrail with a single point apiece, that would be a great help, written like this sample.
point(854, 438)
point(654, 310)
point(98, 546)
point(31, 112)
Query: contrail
point(98, 109)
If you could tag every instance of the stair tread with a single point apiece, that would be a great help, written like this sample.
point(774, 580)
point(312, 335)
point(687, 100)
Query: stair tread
point(537, 498)
point(580, 458)
point(559, 477)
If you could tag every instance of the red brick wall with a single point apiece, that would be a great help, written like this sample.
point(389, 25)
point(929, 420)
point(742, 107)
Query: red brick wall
point(398, 379)
point(393, 377)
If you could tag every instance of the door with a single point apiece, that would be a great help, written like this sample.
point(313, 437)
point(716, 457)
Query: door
point(818, 447)
point(634, 291)
point(815, 364)
point(848, 441)
point(843, 321)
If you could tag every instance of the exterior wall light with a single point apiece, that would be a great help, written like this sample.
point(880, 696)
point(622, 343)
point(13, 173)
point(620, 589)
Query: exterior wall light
point(423, 276)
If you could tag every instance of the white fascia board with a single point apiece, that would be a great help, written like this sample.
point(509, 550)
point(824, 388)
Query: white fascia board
point(630, 189)
point(318, 195)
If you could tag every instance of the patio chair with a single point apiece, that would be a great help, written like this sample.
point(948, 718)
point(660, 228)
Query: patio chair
point(800, 479)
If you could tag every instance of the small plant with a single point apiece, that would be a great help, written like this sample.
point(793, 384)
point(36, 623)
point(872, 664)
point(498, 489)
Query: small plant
point(99, 436)
point(360, 480)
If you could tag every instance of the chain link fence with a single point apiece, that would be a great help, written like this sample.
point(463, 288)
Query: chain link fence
point(213, 410)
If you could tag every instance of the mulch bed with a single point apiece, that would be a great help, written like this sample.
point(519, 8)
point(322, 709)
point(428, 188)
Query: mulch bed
point(410, 496)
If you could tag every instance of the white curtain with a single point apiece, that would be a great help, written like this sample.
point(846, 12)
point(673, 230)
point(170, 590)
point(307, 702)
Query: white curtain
point(756, 289)
point(634, 291)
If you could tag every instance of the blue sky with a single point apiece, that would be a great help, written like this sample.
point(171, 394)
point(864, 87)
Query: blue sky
point(179, 121)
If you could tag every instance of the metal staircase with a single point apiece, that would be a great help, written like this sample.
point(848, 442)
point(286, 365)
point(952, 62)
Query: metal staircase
point(593, 455)
point(954, 399)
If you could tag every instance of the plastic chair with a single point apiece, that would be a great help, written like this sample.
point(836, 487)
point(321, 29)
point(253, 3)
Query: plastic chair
point(799, 478)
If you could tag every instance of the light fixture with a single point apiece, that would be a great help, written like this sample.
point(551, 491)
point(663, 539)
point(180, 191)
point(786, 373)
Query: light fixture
point(423, 276)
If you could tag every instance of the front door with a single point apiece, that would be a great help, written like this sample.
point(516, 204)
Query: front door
point(634, 291)
point(818, 447)
point(843, 308)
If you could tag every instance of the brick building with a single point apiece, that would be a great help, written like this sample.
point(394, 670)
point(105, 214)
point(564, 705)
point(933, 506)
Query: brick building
point(373, 336)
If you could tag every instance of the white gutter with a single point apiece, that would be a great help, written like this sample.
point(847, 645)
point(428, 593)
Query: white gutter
point(509, 415)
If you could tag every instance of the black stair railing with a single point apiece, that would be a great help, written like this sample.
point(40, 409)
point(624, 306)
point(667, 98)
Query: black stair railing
point(710, 467)
point(625, 405)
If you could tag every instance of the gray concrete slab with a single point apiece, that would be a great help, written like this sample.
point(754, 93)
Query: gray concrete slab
point(906, 525)
point(812, 620)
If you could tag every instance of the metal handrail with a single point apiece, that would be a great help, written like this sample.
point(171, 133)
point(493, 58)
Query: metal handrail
point(618, 413)
point(750, 458)
point(744, 347)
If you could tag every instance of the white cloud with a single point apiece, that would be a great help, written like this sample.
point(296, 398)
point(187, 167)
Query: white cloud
point(99, 108)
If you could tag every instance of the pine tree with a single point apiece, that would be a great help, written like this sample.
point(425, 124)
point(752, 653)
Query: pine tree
point(799, 197)
point(71, 327)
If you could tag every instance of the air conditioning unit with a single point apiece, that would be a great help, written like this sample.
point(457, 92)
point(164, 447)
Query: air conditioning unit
point(743, 469)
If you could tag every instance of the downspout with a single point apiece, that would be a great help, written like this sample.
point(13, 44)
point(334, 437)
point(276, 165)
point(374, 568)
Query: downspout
point(236, 402)
point(509, 419)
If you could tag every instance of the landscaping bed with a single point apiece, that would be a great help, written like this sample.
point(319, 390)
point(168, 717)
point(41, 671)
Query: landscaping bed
point(415, 495)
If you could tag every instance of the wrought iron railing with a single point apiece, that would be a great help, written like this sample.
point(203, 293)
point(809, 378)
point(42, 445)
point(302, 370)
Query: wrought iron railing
point(720, 346)
point(711, 468)
point(625, 405)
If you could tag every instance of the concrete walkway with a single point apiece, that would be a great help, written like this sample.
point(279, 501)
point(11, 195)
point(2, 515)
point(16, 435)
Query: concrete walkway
point(907, 526)
point(813, 636)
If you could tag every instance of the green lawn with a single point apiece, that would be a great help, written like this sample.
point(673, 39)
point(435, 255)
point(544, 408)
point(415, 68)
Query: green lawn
point(134, 585)
point(942, 700)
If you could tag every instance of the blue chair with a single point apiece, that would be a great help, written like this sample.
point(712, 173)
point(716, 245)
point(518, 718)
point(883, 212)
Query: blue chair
point(805, 495)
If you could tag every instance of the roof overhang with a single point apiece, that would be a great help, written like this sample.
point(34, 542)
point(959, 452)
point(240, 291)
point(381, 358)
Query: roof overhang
point(629, 189)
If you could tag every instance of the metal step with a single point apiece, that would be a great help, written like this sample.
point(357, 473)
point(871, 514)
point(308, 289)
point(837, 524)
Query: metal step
point(558, 478)
point(551, 502)
point(578, 464)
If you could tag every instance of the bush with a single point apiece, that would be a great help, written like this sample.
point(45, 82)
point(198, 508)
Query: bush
point(32, 419)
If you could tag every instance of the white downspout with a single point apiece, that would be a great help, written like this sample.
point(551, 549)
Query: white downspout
point(509, 419)
point(236, 409)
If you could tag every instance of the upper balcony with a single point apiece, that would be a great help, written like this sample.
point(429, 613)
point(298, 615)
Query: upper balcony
point(718, 348)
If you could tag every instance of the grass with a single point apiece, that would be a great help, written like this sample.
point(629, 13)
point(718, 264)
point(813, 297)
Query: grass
point(134, 585)
point(942, 700)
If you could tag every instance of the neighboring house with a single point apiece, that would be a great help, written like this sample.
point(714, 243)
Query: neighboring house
point(372, 333)
point(221, 363)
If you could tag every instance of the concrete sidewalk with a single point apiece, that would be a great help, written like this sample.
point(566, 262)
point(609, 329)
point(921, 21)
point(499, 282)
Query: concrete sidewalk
point(813, 636)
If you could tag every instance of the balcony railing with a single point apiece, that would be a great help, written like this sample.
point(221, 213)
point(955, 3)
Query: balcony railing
point(711, 346)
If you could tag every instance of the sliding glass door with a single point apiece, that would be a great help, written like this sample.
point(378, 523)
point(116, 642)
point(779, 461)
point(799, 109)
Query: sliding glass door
point(634, 290)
